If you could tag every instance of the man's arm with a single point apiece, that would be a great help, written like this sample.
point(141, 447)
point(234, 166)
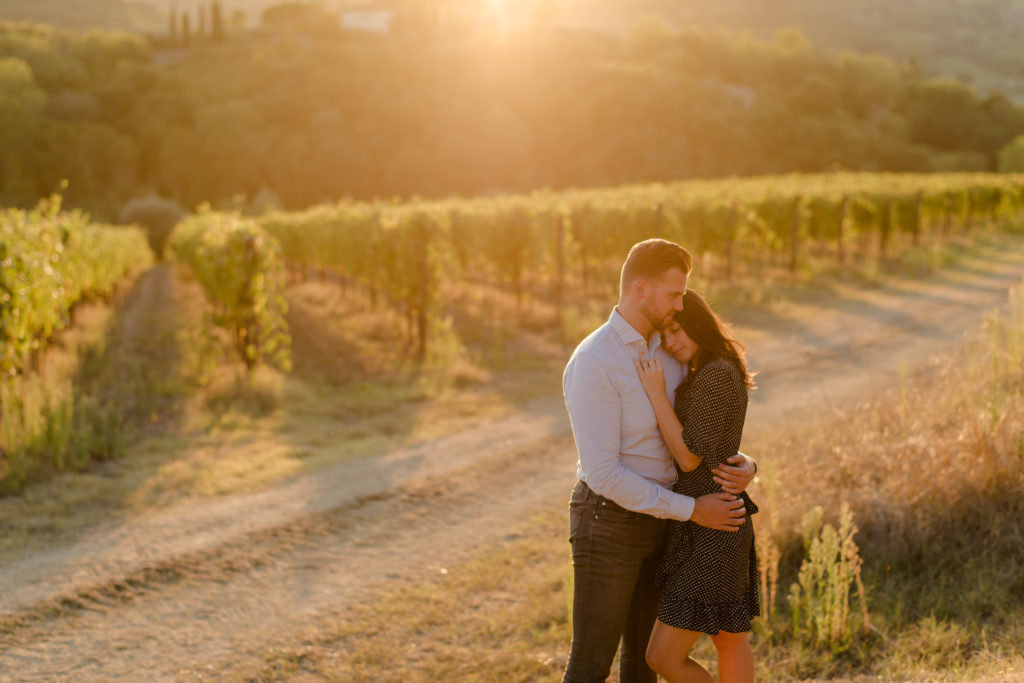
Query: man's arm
point(595, 413)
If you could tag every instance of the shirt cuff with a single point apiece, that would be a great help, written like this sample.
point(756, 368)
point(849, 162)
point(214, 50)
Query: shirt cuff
point(680, 507)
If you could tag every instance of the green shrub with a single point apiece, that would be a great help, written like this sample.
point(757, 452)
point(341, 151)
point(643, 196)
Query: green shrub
point(821, 597)
point(1011, 157)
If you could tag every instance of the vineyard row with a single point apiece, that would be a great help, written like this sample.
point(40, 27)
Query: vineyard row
point(49, 261)
point(399, 252)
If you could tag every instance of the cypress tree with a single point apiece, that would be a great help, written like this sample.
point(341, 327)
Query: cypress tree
point(174, 24)
point(201, 32)
point(186, 30)
point(217, 21)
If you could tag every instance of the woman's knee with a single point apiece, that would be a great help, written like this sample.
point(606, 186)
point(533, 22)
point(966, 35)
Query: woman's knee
point(667, 648)
point(730, 642)
point(658, 655)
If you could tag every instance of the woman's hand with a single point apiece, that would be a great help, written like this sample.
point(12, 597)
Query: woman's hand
point(735, 475)
point(652, 375)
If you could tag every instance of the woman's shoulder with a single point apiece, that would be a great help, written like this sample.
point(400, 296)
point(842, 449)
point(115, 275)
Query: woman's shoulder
point(720, 369)
point(720, 365)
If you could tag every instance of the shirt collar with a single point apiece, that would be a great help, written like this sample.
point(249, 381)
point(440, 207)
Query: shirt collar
point(628, 333)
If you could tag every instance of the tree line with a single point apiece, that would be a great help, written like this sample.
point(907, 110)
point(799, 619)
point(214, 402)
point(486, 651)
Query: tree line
point(293, 119)
point(179, 28)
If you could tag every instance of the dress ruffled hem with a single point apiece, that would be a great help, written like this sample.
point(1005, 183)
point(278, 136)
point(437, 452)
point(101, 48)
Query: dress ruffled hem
point(691, 615)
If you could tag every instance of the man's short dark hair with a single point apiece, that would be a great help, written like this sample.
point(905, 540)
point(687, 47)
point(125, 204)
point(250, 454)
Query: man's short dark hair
point(653, 258)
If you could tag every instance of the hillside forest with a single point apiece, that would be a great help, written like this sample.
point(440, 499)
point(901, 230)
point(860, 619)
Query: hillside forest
point(293, 114)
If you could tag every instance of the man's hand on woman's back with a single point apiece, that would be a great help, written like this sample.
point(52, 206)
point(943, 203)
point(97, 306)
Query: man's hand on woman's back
point(721, 511)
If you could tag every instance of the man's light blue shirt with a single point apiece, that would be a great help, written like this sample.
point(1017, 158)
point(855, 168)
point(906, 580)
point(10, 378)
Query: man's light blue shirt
point(622, 455)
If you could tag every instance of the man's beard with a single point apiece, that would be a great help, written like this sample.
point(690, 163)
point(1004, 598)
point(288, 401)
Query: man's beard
point(661, 323)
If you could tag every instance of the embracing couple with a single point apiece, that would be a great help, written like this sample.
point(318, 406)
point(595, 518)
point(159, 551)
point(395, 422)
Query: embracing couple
point(659, 523)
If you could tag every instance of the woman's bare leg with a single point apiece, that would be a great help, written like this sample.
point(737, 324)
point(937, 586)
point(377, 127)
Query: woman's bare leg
point(668, 653)
point(735, 659)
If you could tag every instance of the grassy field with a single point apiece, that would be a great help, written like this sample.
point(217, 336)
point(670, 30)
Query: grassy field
point(934, 472)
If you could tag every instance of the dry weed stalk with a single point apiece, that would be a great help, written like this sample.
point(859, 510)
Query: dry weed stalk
point(768, 555)
point(820, 598)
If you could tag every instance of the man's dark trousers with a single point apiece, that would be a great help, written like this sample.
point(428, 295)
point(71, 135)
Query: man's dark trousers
point(614, 554)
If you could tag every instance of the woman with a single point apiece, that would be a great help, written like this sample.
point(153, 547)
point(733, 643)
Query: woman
point(708, 577)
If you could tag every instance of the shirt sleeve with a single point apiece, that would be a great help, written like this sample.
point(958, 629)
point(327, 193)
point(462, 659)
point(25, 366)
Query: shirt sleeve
point(595, 411)
point(712, 411)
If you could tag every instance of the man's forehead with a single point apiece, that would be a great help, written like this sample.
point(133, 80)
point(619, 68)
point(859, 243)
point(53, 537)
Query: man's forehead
point(673, 278)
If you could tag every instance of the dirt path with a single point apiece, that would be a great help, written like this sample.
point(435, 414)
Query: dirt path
point(181, 594)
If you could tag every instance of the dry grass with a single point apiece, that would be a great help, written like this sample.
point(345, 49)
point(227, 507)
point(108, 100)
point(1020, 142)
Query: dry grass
point(934, 470)
point(501, 616)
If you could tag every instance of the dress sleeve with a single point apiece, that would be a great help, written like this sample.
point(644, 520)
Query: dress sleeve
point(712, 411)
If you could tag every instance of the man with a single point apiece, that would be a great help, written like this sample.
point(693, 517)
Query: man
point(626, 471)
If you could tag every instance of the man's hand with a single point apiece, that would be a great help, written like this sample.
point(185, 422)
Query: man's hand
point(719, 511)
point(736, 477)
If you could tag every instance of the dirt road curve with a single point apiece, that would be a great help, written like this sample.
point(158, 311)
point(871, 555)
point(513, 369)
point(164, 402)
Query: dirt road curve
point(179, 595)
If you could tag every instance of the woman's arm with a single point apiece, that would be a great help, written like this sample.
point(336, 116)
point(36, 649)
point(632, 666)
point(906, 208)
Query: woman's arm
point(652, 376)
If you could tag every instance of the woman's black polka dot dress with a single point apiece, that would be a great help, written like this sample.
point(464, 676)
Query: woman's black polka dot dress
point(709, 578)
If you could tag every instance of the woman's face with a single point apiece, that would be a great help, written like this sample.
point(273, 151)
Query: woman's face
point(678, 342)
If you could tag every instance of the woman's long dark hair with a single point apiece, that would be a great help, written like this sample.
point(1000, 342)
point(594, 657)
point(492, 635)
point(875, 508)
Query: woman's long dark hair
point(714, 337)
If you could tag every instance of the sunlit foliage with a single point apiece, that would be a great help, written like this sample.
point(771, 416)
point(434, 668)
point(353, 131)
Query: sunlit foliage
point(316, 116)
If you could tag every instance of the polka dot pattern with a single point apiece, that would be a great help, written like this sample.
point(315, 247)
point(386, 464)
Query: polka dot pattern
point(708, 577)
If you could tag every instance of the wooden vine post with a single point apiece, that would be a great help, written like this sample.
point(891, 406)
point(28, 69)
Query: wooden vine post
point(947, 217)
point(884, 229)
point(579, 226)
point(844, 216)
point(421, 241)
point(730, 247)
point(916, 227)
point(246, 342)
point(794, 236)
point(559, 283)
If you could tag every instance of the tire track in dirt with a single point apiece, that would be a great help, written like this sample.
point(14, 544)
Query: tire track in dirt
point(151, 544)
point(865, 344)
point(214, 605)
point(216, 583)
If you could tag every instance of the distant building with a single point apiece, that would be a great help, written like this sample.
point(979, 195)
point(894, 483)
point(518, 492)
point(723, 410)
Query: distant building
point(371, 17)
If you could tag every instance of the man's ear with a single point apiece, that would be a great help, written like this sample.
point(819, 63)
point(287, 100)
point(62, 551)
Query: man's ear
point(640, 287)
